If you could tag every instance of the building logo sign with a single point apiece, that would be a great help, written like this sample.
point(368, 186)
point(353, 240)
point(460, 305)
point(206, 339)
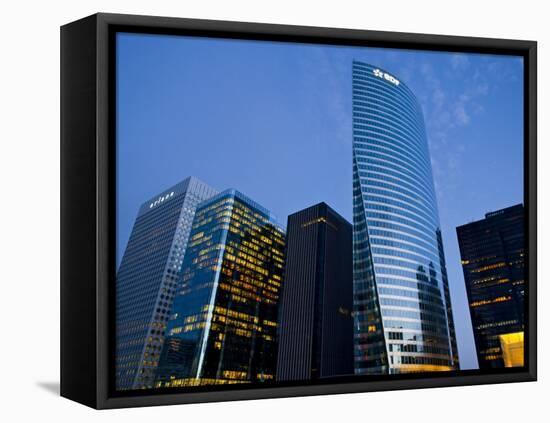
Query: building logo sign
point(161, 200)
point(383, 75)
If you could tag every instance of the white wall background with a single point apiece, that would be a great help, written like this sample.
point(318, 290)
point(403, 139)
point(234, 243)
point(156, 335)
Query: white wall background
point(29, 209)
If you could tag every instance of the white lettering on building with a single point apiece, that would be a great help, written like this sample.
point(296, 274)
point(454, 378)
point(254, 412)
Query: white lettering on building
point(383, 75)
point(161, 200)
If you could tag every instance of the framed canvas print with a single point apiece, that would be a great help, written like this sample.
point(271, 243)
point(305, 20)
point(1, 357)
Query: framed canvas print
point(258, 211)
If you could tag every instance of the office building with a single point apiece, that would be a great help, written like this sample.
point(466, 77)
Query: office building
point(315, 322)
point(402, 305)
point(146, 279)
point(492, 251)
point(223, 323)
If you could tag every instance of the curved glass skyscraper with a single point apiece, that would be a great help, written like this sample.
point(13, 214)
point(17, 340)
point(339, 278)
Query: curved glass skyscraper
point(402, 308)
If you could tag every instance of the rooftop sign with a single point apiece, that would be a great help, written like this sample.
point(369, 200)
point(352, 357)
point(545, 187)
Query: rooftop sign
point(161, 199)
point(383, 75)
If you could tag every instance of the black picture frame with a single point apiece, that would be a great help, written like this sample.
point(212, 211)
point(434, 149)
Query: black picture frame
point(88, 205)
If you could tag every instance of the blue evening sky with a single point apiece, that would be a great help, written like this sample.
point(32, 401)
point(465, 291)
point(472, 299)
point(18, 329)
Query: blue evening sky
point(273, 120)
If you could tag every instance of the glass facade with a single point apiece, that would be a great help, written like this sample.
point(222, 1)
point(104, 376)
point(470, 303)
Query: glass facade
point(146, 279)
point(402, 308)
point(315, 322)
point(223, 324)
point(493, 260)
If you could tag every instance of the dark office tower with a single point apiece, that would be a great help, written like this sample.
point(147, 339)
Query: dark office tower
point(315, 322)
point(402, 305)
point(223, 324)
point(146, 279)
point(492, 252)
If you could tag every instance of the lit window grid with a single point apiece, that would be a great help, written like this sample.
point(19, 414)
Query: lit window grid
point(226, 258)
point(492, 252)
